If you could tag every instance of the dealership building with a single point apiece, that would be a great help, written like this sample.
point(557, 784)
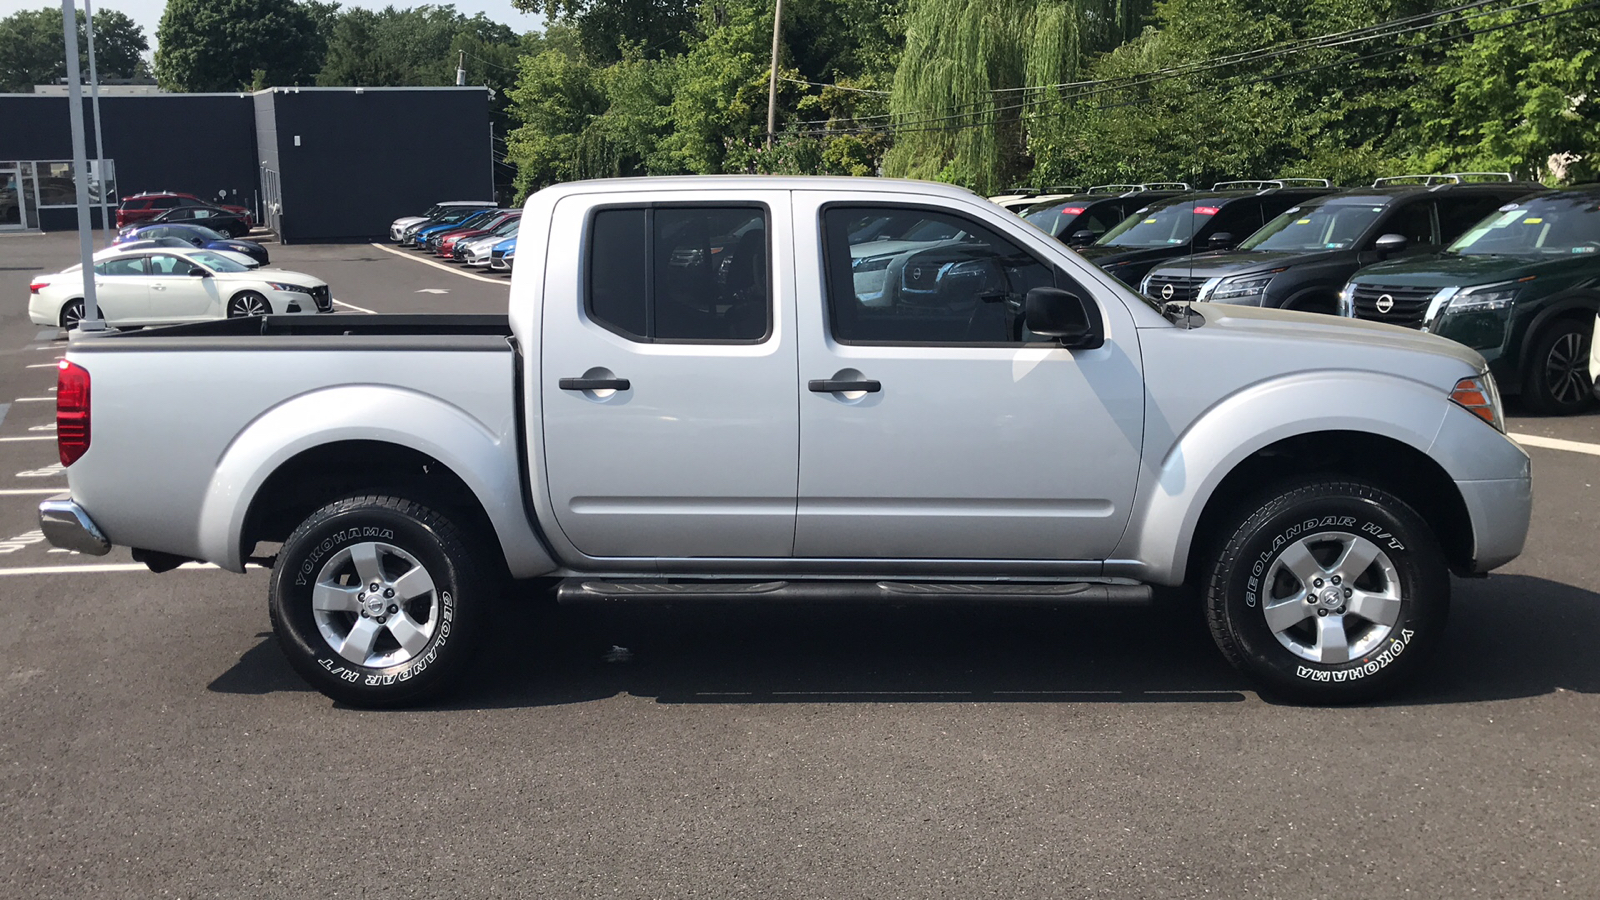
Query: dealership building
point(315, 164)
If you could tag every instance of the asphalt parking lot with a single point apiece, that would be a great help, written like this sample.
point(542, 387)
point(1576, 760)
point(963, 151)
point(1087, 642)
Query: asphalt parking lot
point(155, 743)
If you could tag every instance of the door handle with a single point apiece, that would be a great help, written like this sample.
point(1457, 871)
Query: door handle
point(595, 384)
point(829, 386)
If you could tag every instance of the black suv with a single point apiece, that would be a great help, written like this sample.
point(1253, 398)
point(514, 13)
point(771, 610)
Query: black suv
point(1522, 288)
point(1302, 259)
point(1177, 226)
point(1079, 219)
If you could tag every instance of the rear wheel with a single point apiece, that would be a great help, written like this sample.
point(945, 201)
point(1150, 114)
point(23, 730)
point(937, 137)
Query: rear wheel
point(1558, 382)
point(248, 303)
point(72, 314)
point(376, 601)
point(1328, 592)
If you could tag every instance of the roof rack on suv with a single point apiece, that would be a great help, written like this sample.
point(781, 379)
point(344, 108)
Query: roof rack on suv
point(1303, 182)
point(1166, 186)
point(1447, 178)
point(1063, 189)
point(1022, 191)
point(1267, 184)
point(1114, 188)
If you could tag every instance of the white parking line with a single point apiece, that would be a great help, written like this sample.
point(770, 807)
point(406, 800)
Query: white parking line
point(36, 399)
point(93, 568)
point(12, 440)
point(1533, 440)
point(363, 309)
point(41, 366)
point(429, 262)
point(24, 492)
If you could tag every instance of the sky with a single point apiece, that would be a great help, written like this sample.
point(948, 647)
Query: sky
point(147, 13)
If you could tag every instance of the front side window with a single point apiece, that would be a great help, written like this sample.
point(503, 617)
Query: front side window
point(925, 277)
point(168, 264)
point(680, 273)
point(1414, 222)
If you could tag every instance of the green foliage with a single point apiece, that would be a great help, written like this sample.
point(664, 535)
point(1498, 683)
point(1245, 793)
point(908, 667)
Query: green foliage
point(31, 49)
point(217, 45)
point(418, 46)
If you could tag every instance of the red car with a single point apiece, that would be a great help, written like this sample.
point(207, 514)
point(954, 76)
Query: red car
point(150, 204)
point(447, 244)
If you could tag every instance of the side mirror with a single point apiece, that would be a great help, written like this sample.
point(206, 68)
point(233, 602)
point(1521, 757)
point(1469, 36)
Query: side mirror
point(197, 272)
point(1081, 238)
point(1222, 240)
point(1390, 243)
point(1064, 315)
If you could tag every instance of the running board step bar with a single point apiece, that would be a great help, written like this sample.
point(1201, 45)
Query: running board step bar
point(578, 590)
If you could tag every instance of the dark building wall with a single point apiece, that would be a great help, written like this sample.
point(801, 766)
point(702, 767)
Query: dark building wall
point(201, 144)
point(365, 159)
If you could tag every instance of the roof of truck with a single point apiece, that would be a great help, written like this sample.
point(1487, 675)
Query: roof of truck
point(763, 182)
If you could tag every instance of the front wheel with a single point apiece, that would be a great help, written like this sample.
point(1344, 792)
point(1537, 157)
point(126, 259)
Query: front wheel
point(376, 601)
point(248, 303)
point(1329, 592)
point(1558, 369)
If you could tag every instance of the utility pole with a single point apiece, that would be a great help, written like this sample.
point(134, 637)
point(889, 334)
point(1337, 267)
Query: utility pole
point(99, 145)
point(772, 86)
point(80, 177)
point(461, 67)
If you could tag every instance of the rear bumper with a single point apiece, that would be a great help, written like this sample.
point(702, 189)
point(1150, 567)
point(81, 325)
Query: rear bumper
point(66, 525)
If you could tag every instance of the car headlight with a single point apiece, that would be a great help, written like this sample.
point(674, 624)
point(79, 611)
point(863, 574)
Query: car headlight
point(1481, 397)
point(1347, 301)
point(1238, 289)
point(1484, 298)
point(283, 286)
point(870, 263)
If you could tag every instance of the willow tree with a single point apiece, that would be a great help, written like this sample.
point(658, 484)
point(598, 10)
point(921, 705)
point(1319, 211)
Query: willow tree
point(975, 71)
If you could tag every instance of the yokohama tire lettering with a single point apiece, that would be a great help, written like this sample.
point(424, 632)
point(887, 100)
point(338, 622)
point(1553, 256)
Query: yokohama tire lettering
point(1373, 665)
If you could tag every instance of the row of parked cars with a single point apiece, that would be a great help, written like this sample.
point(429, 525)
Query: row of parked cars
point(151, 207)
point(477, 233)
point(1509, 268)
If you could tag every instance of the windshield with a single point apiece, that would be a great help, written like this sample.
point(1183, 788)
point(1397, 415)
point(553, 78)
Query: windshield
point(1160, 226)
point(1050, 218)
point(1329, 226)
point(509, 226)
point(208, 234)
point(1546, 226)
point(216, 262)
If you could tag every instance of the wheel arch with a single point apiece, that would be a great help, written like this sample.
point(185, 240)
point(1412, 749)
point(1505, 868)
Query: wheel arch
point(1575, 304)
point(353, 439)
point(1337, 423)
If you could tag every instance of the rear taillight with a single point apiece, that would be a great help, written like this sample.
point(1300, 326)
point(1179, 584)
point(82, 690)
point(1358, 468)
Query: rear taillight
point(72, 411)
point(36, 284)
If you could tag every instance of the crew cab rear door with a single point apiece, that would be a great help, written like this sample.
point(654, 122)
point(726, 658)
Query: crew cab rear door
point(931, 424)
point(668, 374)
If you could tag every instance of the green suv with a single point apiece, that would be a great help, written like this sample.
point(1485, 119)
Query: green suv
point(1522, 287)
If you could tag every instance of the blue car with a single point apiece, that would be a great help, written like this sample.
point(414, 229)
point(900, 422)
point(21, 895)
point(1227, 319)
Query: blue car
point(419, 239)
point(503, 255)
point(194, 235)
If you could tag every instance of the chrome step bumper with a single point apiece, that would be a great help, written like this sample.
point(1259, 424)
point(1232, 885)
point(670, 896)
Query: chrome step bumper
point(66, 525)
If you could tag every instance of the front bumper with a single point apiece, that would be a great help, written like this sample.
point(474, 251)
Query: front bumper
point(66, 525)
point(1500, 511)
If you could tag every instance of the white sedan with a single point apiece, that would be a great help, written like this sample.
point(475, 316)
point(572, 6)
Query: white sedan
point(168, 286)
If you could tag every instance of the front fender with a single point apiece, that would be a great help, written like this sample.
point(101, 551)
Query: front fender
point(484, 456)
point(1173, 493)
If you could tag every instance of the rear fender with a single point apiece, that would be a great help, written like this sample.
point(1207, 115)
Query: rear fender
point(483, 457)
point(1173, 494)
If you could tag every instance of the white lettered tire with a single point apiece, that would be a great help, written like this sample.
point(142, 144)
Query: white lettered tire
point(1330, 591)
point(376, 601)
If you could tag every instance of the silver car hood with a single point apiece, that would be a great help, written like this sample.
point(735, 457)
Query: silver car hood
point(1319, 328)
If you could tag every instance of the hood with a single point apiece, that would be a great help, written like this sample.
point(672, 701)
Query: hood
point(405, 222)
point(1456, 270)
point(1334, 333)
point(1238, 262)
point(284, 276)
point(872, 249)
point(1111, 256)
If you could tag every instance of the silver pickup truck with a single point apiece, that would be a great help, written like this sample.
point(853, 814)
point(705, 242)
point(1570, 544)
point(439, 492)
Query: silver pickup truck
point(750, 389)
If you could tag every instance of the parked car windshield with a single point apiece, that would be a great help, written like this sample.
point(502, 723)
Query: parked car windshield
point(207, 233)
point(1548, 225)
point(1159, 226)
point(508, 227)
point(216, 262)
point(1048, 217)
point(1325, 226)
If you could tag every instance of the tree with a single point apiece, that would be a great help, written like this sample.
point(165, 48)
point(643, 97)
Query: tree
point(605, 29)
point(217, 45)
point(31, 51)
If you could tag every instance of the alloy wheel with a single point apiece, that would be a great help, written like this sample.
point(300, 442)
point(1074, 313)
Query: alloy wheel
point(1331, 597)
point(375, 604)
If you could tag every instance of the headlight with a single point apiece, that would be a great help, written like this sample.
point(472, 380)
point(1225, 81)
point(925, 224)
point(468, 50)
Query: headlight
point(1486, 297)
point(1480, 397)
point(870, 263)
point(281, 286)
point(1347, 301)
point(1239, 289)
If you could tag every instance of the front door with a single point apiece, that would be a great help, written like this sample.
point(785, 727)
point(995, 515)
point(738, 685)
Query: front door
point(175, 295)
point(932, 424)
point(668, 376)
